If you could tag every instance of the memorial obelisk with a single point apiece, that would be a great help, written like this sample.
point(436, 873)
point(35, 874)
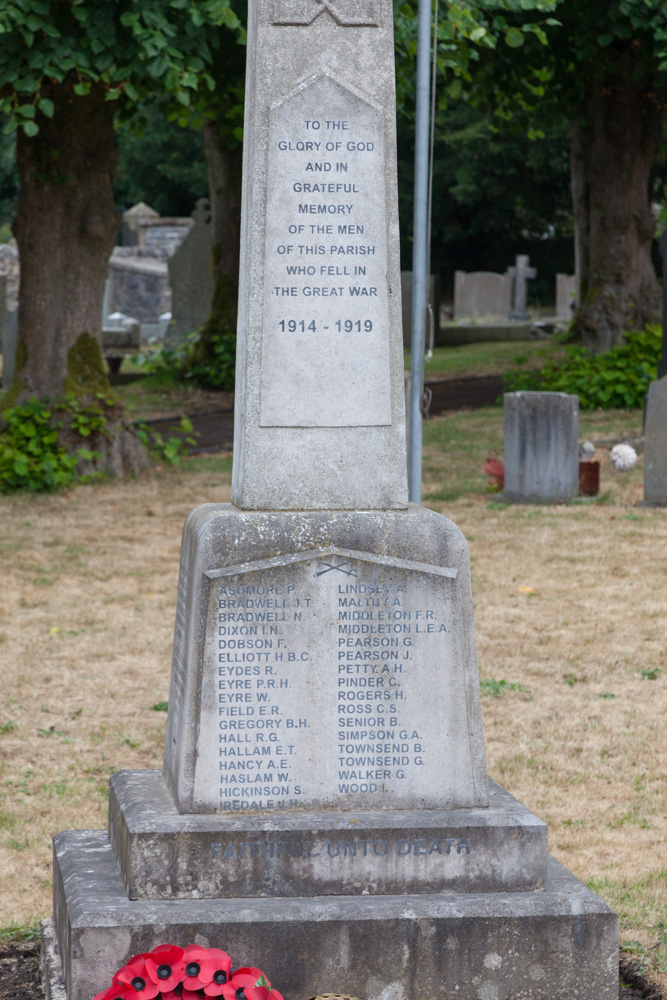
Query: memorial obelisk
point(324, 810)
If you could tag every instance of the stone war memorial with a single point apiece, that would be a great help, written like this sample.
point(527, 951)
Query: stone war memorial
point(324, 811)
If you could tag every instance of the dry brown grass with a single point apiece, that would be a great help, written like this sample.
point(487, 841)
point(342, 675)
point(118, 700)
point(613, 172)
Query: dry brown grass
point(86, 619)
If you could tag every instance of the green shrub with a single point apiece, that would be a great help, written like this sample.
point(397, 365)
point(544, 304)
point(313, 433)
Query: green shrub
point(30, 457)
point(618, 379)
point(213, 368)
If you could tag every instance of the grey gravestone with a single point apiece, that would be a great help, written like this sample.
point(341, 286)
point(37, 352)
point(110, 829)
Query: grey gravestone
point(482, 295)
point(566, 295)
point(655, 444)
point(139, 285)
point(132, 218)
point(432, 313)
point(521, 272)
point(10, 329)
point(323, 809)
point(541, 447)
point(191, 277)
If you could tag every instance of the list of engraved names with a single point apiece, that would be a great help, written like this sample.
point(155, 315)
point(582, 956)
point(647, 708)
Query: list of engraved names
point(317, 689)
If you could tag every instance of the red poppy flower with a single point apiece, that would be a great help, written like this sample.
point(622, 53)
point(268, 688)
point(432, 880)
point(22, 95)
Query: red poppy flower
point(115, 992)
point(164, 965)
point(215, 971)
point(261, 993)
point(193, 958)
point(241, 980)
point(181, 995)
point(134, 975)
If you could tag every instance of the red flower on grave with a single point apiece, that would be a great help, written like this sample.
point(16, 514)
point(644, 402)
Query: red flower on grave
point(181, 994)
point(242, 980)
point(165, 966)
point(116, 992)
point(261, 993)
point(193, 959)
point(215, 971)
point(135, 976)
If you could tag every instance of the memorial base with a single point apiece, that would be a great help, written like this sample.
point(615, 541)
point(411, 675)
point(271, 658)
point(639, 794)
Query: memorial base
point(559, 943)
point(164, 854)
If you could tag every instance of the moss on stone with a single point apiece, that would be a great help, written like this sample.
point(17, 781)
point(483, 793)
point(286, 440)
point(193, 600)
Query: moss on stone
point(86, 375)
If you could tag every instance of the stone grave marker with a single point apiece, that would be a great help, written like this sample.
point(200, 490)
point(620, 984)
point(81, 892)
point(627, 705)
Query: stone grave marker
point(541, 448)
point(655, 444)
point(521, 272)
point(191, 277)
point(566, 295)
point(9, 329)
point(482, 295)
point(323, 810)
point(655, 423)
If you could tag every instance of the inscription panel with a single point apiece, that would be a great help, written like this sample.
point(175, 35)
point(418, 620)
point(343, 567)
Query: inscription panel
point(330, 680)
point(325, 334)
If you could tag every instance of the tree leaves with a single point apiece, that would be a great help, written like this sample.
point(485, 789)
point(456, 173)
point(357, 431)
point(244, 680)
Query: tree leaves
point(128, 49)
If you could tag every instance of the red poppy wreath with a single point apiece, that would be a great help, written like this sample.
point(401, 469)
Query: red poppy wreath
point(191, 973)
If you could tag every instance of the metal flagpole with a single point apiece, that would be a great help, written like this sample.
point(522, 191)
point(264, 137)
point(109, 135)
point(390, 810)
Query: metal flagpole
point(419, 252)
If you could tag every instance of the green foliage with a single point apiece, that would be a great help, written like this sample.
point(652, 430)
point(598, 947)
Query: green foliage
point(159, 162)
point(160, 706)
point(174, 448)
point(30, 456)
point(130, 48)
point(216, 369)
point(211, 370)
point(618, 379)
point(498, 688)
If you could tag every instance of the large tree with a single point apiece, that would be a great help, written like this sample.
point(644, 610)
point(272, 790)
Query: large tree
point(66, 68)
point(599, 67)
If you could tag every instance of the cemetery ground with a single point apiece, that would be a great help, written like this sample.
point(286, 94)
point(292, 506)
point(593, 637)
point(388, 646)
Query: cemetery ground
point(570, 606)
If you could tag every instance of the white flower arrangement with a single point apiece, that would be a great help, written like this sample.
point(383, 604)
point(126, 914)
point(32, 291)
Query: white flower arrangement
point(624, 457)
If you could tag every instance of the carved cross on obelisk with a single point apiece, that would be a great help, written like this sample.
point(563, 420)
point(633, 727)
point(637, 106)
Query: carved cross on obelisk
point(348, 13)
point(521, 272)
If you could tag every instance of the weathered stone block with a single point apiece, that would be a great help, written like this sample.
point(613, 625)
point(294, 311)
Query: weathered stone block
point(655, 444)
point(560, 943)
point(166, 855)
point(300, 633)
point(541, 447)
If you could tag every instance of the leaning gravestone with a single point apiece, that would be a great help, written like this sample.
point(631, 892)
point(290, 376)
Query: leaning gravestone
point(324, 810)
point(191, 277)
point(541, 432)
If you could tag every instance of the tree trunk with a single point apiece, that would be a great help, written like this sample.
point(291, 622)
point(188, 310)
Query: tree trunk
point(66, 227)
point(215, 351)
point(224, 166)
point(614, 145)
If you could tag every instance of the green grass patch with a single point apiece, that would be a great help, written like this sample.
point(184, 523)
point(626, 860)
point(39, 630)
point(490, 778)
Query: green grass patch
point(489, 358)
